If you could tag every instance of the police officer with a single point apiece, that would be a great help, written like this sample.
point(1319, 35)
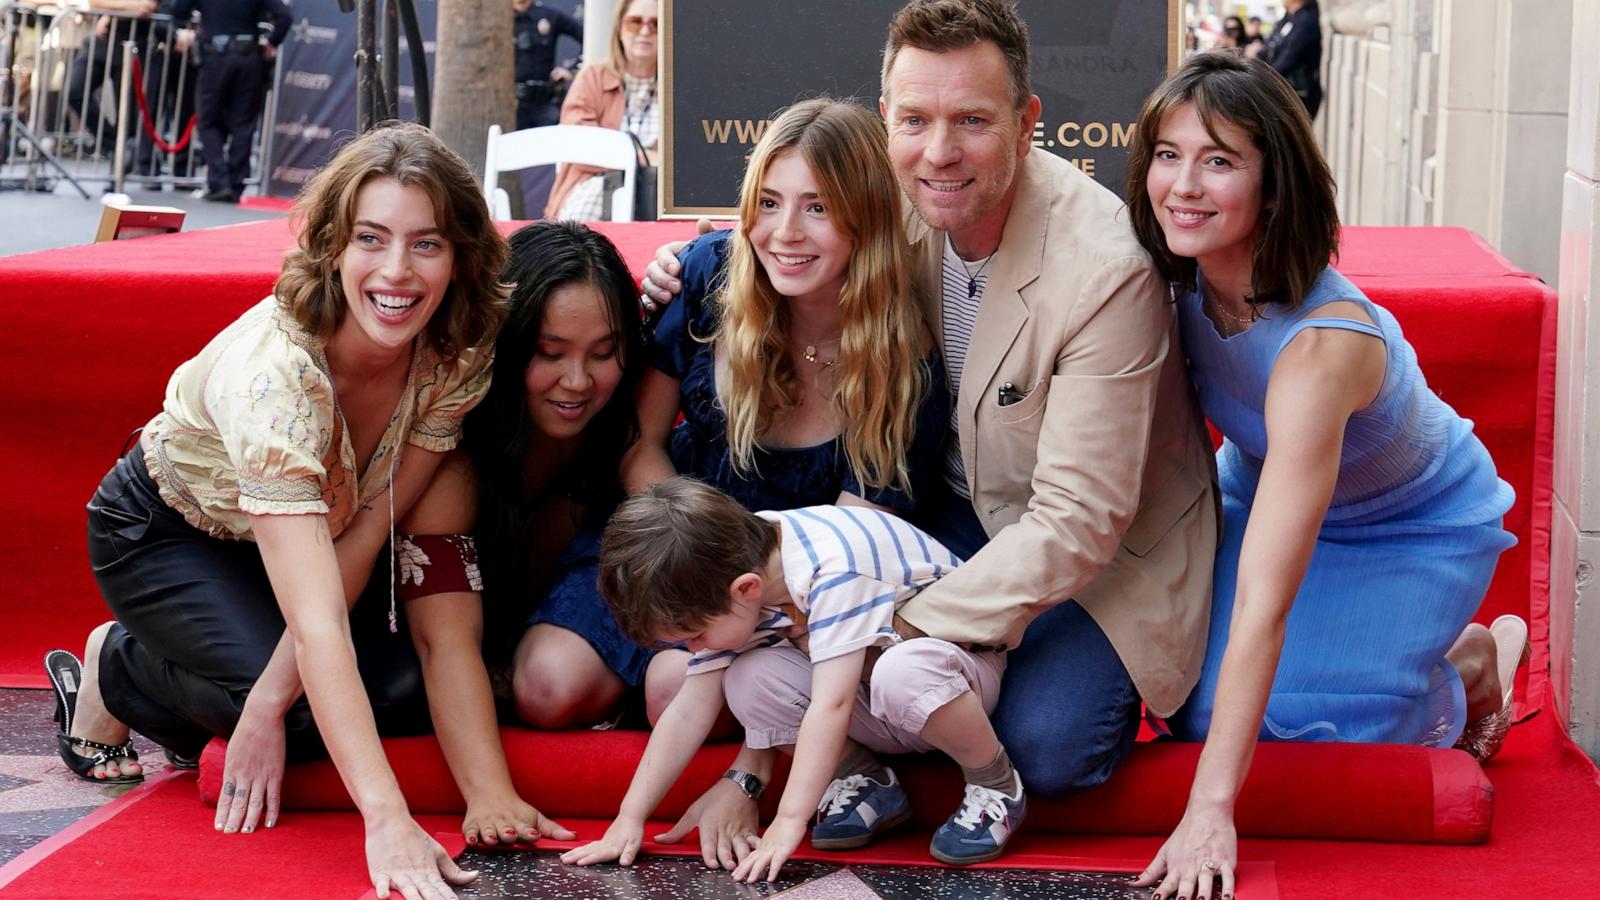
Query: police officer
point(233, 66)
point(539, 80)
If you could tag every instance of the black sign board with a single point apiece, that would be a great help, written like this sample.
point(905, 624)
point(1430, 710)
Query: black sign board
point(315, 111)
point(729, 65)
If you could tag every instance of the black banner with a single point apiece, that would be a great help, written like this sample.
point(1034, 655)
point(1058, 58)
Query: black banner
point(729, 65)
point(315, 113)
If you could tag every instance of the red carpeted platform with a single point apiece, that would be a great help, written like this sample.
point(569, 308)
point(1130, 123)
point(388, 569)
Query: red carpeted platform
point(92, 334)
point(95, 331)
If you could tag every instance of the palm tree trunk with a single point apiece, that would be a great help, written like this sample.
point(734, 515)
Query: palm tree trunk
point(473, 82)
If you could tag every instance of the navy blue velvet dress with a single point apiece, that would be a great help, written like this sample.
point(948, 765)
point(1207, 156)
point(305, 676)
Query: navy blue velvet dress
point(784, 477)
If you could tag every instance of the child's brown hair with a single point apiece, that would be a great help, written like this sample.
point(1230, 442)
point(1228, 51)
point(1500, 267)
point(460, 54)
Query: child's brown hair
point(670, 554)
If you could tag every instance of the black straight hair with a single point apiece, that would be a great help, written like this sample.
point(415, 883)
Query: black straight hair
point(499, 433)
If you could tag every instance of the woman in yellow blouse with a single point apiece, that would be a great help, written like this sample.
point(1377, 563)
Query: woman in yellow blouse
point(240, 535)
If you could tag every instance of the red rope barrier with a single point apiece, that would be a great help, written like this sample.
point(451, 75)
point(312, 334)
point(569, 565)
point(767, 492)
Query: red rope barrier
point(144, 114)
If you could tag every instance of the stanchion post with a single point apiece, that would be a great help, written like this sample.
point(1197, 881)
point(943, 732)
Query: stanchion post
point(130, 49)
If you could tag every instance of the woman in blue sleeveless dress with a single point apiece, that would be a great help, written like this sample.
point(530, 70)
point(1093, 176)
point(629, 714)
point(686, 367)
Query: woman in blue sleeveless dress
point(1355, 550)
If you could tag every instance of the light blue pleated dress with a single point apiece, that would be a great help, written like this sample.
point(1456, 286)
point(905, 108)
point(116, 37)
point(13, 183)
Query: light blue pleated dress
point(1404, 556)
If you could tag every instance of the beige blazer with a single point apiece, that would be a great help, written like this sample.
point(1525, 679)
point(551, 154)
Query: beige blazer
point(1099, 484)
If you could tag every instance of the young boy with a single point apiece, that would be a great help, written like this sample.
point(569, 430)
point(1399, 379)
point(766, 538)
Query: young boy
point(683, 562)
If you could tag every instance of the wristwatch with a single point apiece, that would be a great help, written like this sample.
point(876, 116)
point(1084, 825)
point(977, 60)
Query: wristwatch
point(748, 783)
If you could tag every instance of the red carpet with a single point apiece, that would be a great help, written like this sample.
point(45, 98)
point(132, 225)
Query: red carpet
point(1362, 792)
point(1544, 845)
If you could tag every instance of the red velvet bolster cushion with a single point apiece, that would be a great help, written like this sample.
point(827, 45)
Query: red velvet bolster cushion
point(1380, 792)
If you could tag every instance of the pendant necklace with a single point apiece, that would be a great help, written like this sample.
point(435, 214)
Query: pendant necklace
point(810, 353)
point(972, 277)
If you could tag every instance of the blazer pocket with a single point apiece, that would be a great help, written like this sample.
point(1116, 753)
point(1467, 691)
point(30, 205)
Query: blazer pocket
point(1024, 409)
point(1160, 510)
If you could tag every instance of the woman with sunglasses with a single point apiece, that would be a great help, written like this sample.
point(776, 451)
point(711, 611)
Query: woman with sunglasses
point(616, 92)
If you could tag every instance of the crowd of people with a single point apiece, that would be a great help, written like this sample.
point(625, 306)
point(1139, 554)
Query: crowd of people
point(913, 458)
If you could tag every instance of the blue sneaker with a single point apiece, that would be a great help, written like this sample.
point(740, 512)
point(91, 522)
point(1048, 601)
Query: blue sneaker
point(855, 810)
point(980, 828)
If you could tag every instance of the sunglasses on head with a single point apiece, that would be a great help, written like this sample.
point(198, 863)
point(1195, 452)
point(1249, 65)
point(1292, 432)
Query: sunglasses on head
point(635, 24)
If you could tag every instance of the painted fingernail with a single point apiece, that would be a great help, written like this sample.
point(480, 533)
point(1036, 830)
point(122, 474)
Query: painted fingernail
point(248, 829)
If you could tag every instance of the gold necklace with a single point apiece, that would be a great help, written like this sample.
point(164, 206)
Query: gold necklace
point(810, 353)
point(1241, 323)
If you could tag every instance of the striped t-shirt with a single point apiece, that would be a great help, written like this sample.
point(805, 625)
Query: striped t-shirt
point(963, 285)
point(848, 569)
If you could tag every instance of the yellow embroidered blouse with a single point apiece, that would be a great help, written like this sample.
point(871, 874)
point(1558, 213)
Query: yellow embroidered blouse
point(251, 426)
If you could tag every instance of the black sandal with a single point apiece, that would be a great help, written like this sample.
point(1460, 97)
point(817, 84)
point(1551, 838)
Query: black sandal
point(185, 763)
point(66, 673)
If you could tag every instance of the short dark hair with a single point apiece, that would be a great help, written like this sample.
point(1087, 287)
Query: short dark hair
point(1299, 223)
point(309, 289)
point(940, 26)
point(670, 554)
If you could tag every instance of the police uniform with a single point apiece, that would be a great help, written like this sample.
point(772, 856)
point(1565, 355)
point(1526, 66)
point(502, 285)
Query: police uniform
point(230, 92)
point(537, 29)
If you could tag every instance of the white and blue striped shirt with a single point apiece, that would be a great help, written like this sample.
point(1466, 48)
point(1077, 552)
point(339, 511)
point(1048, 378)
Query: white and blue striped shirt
point(848, 570)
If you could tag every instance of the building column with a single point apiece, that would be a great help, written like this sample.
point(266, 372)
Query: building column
point(597, 28)
point(1575, 525)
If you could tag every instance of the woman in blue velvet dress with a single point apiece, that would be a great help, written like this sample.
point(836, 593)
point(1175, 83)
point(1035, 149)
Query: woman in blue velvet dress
point(1361, 516)
point(799, 361)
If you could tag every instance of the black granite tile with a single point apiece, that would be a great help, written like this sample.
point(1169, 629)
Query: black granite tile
point(40, 822)
point(515, 875)
point(13, 846)
point(7, 782)
point(524, 874)
point(926, 883)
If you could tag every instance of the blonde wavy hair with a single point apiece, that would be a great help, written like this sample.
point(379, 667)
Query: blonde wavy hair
point(880, 376)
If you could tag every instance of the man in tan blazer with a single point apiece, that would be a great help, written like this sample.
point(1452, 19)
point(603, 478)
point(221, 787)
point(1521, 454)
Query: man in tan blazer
point(1091, 524)
point(1081, 482)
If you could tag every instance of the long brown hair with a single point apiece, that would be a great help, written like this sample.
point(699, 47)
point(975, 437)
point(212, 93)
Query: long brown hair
point(880, 377)
point(1299, 224)
point(309, 288)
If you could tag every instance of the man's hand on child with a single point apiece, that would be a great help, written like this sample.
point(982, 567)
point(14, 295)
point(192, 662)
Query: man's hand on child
point(777, 845)
point(506, 820)
point(621, 843)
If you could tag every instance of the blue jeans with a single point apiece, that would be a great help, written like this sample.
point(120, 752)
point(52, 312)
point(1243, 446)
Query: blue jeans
point(1068, 711)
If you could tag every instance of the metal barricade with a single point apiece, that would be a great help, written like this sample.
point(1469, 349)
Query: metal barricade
point(106, 97)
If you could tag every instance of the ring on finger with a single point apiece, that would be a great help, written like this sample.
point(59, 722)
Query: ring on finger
point(227, 789)
point(1209, 864)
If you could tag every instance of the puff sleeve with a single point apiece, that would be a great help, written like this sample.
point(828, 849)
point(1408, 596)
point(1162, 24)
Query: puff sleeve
point(446, 392)
point(274, 414)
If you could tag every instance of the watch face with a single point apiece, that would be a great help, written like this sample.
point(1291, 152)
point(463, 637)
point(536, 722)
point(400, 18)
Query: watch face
point(748, 783)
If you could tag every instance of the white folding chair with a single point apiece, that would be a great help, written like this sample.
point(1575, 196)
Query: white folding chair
point(606, 148)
